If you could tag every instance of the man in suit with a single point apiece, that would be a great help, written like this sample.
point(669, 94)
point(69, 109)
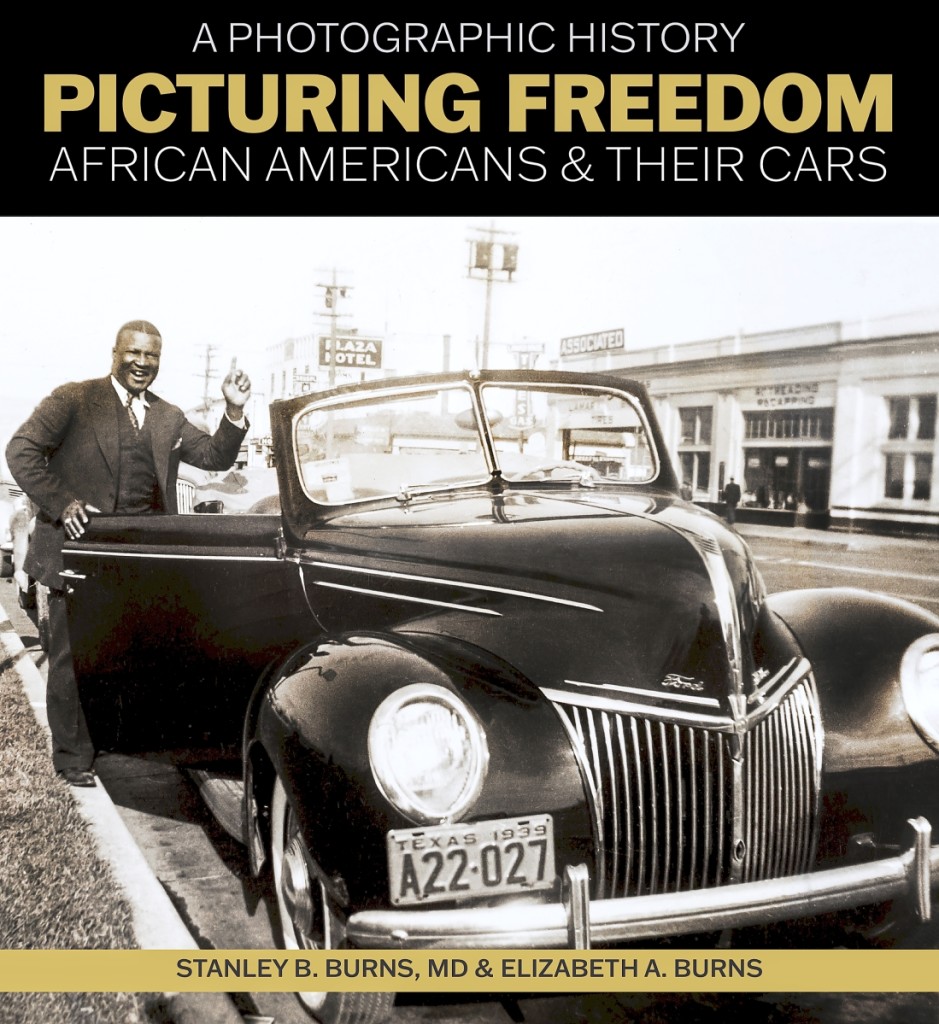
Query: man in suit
point(107, 446)
point(732, 500)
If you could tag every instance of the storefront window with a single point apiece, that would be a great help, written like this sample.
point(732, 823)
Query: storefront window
point(696, 424)
point(696, 470)
point(908, 458)
point(926, 428)
point(790, 424)
point(912, 418)
point(694, 448)
point(893, 486)
point(922, 477)
point(899, 418)
point(908, 476)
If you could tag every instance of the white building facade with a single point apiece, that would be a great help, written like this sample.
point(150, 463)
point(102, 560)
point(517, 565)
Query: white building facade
point(825, 419)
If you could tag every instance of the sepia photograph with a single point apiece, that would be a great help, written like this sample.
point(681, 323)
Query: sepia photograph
point(525, 585)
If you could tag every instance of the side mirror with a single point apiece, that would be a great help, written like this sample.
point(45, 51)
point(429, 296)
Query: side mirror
point(214, 507)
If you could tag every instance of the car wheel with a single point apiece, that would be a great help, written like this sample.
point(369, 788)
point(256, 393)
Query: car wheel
point(308, 919)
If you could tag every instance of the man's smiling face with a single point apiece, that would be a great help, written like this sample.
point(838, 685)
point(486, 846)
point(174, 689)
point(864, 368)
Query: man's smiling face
point(136, 360)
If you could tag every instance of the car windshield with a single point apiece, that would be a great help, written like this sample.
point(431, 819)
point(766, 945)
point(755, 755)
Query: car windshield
point(577, 434)
point(429, 437)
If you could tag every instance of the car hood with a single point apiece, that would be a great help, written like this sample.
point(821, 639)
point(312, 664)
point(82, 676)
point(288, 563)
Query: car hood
point(599, 594)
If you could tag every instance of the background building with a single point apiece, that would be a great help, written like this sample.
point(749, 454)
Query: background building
point(825, 419)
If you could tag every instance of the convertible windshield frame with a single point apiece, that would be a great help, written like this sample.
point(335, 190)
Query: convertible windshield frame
point(482, 437)
point(427, 389)
point(584, 392)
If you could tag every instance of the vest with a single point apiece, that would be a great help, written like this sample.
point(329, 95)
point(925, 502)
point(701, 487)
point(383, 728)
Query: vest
point(138, 491)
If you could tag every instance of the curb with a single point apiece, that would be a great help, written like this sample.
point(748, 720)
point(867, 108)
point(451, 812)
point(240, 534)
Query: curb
point(156, 923)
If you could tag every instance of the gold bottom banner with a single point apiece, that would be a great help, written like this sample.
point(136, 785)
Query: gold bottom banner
point(243, 970)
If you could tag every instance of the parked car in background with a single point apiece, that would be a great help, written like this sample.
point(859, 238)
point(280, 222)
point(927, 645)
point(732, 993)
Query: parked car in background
point(478, 676)
point(12, 501)
point(6, 538)
point(7, 510)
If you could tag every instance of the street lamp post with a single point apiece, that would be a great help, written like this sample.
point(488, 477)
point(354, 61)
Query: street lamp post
point(490, 260)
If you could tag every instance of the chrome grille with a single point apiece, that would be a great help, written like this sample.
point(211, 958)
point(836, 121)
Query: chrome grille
point(781, 761)
point(185, 496)
point(663, 795)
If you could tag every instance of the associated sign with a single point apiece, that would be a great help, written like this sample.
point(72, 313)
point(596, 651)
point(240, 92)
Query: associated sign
point(351, 351)
point(590, 344)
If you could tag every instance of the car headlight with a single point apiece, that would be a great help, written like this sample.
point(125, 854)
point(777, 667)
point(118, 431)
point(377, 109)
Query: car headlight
point(428, 753)
point(919, 680)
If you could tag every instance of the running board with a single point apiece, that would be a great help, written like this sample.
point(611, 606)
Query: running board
point(224, 796)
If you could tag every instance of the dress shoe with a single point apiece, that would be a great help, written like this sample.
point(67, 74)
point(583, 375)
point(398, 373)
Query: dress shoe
point(77, 776)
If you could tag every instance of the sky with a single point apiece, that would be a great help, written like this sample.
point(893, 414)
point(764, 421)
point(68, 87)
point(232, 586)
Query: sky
point(243, 284)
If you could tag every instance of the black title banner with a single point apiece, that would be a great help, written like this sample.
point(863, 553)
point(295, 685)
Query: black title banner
point(653, 111)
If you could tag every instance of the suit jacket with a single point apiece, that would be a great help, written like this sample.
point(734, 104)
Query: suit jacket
point(69, 448)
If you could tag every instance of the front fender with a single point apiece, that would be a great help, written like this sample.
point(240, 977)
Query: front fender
point(855, 641)
point(877, 770)
point(312, 727)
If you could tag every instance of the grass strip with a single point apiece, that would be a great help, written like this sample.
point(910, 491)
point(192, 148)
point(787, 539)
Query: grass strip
point(55, 890)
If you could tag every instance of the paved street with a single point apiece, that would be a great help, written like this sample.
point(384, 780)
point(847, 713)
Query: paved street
point(205, 872)
point(903, 568)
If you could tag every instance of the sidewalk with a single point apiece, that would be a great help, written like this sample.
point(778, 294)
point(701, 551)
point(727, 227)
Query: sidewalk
point(842, 539)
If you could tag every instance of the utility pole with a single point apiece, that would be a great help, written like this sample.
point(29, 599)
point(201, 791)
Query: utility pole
point(332, 293)
point(444, 395)
point(207, 376)
point(490, 259)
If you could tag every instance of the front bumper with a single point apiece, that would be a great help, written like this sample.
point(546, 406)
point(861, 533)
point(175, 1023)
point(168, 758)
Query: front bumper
point(579, 922)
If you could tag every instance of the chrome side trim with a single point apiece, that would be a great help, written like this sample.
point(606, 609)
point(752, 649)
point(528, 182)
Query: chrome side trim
point(772, 693)
point(452, 583)
point(407, 597)
point(719, 723)
point(308, 598)
point(638, 691)
point(181, 554)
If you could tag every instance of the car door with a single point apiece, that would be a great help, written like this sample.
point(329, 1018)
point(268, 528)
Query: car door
point(172, 620)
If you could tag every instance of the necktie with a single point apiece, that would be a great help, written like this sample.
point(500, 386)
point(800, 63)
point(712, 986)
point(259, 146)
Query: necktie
point(132, 416)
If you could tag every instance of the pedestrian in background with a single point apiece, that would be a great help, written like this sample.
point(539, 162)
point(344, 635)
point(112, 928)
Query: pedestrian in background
point(731, 500)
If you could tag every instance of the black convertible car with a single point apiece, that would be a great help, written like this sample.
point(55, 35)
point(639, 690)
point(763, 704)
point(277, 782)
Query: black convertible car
point(492, 683)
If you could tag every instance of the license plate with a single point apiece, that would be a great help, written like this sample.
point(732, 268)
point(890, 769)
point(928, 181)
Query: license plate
point(450, 862)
